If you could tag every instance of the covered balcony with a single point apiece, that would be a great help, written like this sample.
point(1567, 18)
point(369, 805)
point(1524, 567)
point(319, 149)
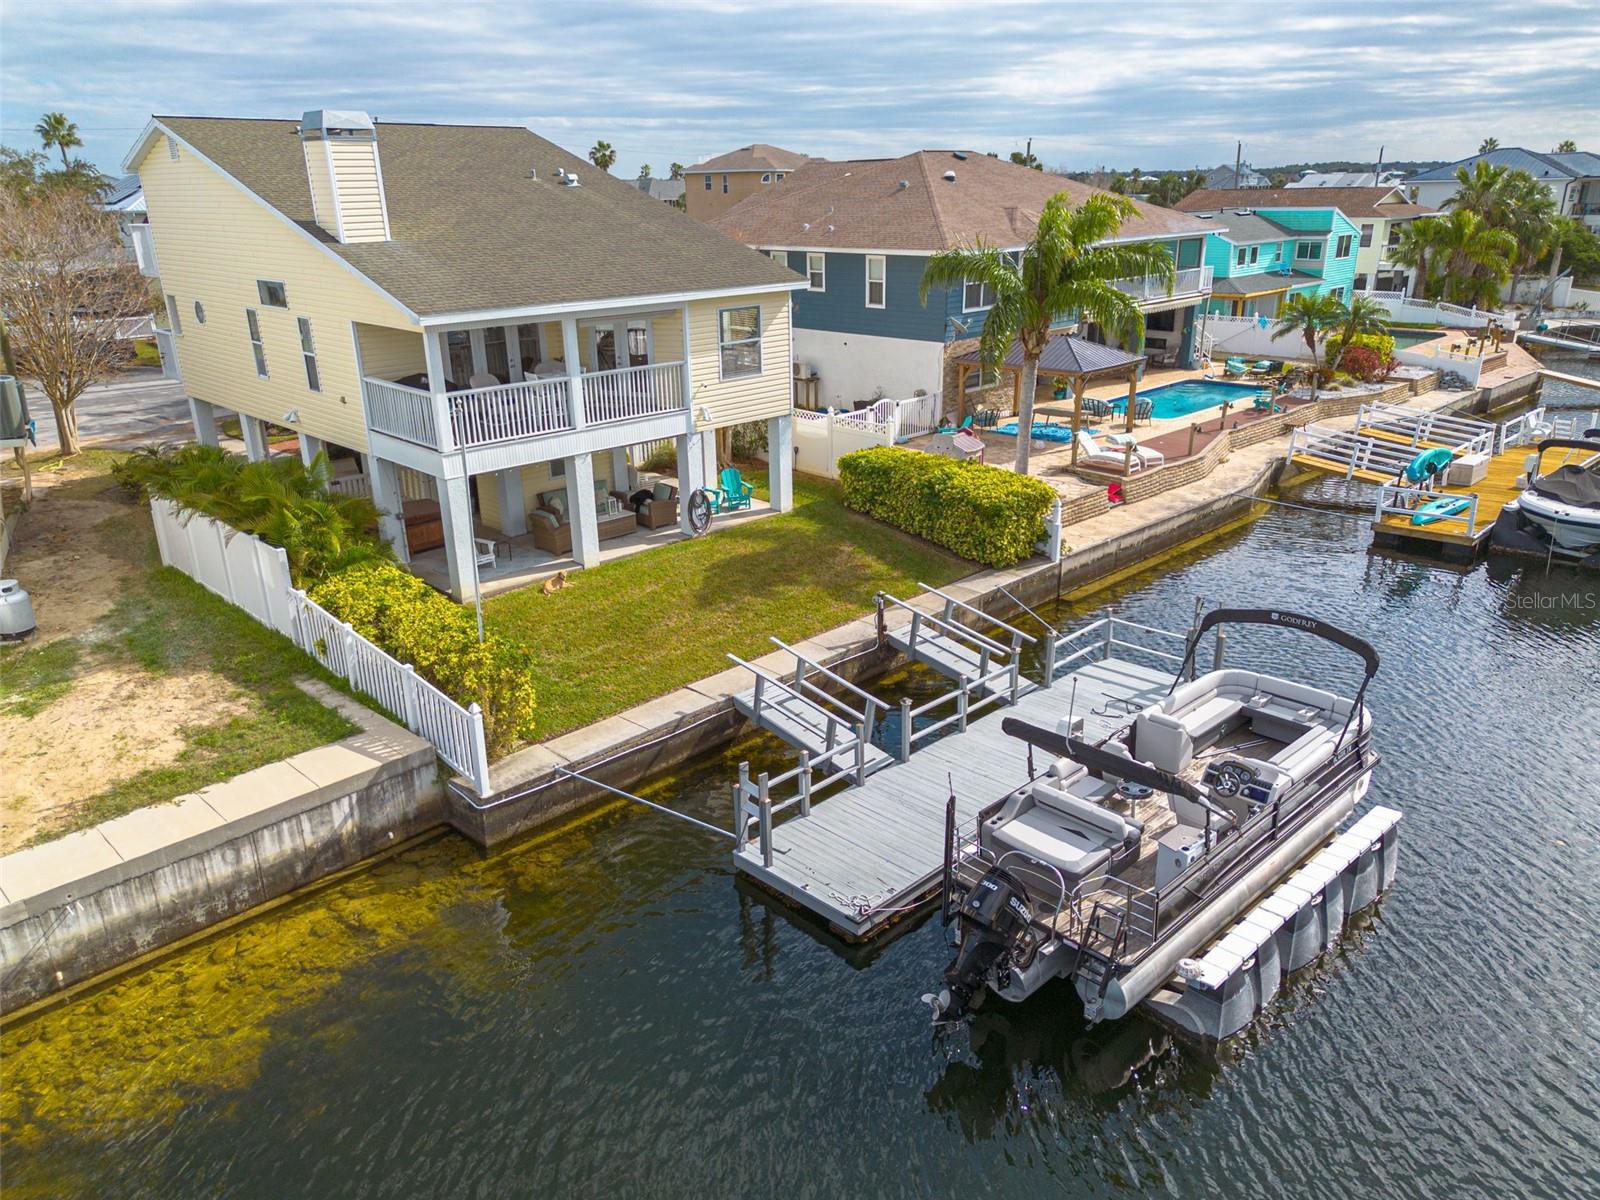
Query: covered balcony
point(1188, 285)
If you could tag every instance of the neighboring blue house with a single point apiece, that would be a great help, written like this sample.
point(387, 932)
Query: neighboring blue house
point(1260, 256)
point(861, 233)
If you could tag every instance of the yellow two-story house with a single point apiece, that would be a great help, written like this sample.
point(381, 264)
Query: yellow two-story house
point(483, 321)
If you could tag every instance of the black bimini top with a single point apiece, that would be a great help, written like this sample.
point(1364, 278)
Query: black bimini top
point(1571, 485)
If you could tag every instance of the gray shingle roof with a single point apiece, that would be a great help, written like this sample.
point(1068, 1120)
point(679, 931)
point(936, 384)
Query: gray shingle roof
point(1066, 354)
point(756, 157)
point(1243, 228)
point(1540, 166)
point(471, 231)
point(1260, 283)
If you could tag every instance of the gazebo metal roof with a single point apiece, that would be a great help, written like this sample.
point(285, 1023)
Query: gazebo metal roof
point(1066, 354)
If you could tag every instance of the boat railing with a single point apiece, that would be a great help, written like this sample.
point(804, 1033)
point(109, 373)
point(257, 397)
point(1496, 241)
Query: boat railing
point(1102, 638)
point(971, 695)
point(757, 801)
point(1396, 500)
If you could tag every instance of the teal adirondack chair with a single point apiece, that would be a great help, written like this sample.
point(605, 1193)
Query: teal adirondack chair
point(733, 495)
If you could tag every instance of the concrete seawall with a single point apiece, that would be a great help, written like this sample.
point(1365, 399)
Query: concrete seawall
point(91, 901)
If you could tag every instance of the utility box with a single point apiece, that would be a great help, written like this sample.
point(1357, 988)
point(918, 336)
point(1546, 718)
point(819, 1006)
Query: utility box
point(13, 410)
point(1179, 848)
point(1467, 470)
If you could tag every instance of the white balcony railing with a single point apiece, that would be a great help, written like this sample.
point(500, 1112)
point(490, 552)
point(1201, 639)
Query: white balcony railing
point(168, 352)
point(144, 249)
point(514, 411)
point(1187, 282)
point(628, 393)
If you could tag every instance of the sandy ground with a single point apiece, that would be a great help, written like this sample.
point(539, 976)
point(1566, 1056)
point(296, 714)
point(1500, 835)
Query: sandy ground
point(71, 554)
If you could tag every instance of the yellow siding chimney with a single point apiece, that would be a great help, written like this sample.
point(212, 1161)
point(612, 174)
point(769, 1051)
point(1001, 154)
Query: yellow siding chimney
point(346, 177)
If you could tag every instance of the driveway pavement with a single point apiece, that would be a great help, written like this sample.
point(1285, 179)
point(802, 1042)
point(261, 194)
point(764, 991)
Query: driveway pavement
point(135, 409)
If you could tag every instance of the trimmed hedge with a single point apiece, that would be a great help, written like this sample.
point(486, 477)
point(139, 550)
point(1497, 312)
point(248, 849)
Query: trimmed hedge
point(439, 637)
point(983, 513)
point(1380, 344)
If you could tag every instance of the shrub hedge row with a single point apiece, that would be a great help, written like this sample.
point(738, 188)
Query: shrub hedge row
point(439, 637)
point(980, 512)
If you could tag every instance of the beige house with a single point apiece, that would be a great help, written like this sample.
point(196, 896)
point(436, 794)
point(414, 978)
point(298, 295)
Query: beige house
point(716, 185)
point(482, 325)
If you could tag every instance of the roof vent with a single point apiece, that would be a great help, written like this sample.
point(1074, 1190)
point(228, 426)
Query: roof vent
point(904, 184)
point(533, 172)
point(830, 228)
point(566, 177)
point(950, 176)
point(805, 226)
point(960, 155)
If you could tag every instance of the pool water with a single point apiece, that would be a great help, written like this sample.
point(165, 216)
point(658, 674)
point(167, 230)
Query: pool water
point(1192, 395)
point(1044, 432)
point(1404, 339)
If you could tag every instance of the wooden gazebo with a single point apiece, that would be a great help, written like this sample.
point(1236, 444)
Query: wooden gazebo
point(1066, 359)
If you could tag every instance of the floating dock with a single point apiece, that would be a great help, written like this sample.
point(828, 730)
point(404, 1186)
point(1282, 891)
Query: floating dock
point(874, 849)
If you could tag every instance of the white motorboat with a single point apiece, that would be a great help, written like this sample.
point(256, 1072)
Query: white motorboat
point(1564, 504)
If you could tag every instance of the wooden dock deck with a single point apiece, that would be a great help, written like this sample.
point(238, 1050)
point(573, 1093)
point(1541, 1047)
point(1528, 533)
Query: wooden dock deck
point(874, 851)
point(1494, 491)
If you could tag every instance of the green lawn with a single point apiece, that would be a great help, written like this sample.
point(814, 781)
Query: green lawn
point(165, 624)
point(639, 627)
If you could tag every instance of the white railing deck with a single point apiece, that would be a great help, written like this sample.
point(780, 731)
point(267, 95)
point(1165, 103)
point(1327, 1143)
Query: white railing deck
point(1463, 434)
point(525, 409)
point(168, 352)
point(1186, 282)
point(144, 249)
point(1396, 500)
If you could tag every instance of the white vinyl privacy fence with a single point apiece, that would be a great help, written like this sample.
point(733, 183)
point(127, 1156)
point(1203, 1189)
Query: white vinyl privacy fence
point(820, 438)
point(253, 575)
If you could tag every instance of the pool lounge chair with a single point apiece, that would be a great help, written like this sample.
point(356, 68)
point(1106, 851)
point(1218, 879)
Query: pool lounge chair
point(1236, 366)
point(1143, 454)
point(1093, 454)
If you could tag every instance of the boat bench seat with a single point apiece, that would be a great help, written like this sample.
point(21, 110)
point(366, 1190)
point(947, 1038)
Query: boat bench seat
point(1074, 835)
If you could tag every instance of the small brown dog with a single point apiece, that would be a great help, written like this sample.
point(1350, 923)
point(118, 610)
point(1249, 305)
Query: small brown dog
point(551, 586)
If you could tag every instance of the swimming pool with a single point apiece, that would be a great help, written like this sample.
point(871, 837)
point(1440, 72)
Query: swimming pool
point(1190, 396)
point(1404, 339)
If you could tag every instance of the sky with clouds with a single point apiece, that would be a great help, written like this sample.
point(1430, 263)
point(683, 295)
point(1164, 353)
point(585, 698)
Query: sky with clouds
point(1121, 84)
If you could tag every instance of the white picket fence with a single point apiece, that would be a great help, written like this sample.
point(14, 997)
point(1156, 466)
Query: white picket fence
point(820, 438)
point(253, 575)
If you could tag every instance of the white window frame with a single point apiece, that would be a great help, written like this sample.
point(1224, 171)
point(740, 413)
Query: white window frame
point(1301, 248)
point(779, 256)
point(882, 282)
point(258, 347)
point(707, 178)
point(1255, 255)
point(983, 377)
point(816, 268)
point(261, 293)
point(308, 354)
point(1342, 248)
point(722, 346)
point(724, 185)
point(985, 296)
point(1368, 228)
point(767, 178)
point(174, 321)
point(1240, 256)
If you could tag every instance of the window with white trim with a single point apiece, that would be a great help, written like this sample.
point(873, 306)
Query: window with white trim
point(272, 293)
point(1239, 256)
point(724, 185)
point(257, 348)
point(779, 256)
point(767, 178)
point(528, 346)
point(877, 280)
point(458, 356)
point(817, 272)
point(308, 352)
point(1342, 247)
point(199, 312)
point(1311, 251)
point(1255, 254)
point(1366, 235)
point(976, 296)
point(739, 341)
point(495, 358)
point(707, 178)
point(983, 377)
point(173, 322)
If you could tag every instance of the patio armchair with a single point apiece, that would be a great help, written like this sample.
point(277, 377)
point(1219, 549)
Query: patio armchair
point(656, 507)
point(1096, 408)
point(486, 550)
point(1143, 455)
point(733, 494)
point(1091, 453)
point(1143, 409)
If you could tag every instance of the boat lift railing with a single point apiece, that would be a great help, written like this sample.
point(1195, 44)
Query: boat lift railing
point(952, 605)
point(1396, 500)
point(971, 695)
point(1348, 449)
point(1102, 638)
point(1465, 435)
point(754, 805)
point(983, 647)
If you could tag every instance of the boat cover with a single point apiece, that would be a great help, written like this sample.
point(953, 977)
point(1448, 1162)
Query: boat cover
point(1571, 485)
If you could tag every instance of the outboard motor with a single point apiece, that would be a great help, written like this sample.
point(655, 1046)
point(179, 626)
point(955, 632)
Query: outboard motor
point(994, 925)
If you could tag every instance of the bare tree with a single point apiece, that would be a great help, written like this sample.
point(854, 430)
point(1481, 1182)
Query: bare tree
point(65, 288)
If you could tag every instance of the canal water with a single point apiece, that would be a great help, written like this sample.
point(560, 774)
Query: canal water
point(604, 1011)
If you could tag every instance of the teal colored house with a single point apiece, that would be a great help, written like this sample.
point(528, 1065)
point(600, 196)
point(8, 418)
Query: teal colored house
point(860, 233)
point(1260, 256)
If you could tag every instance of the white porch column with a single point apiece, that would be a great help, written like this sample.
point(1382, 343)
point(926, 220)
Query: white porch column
point(580, 507)
point(204, 417)
point(433, 353)
point(780, 461)
point(310, 447)
point(385, 477)
point(573, 359)
point(513, 508)
point(708, 448)
point(455, 506)
point(619, 468)
point(255, 437)
point(513, 354)
point(691, 475)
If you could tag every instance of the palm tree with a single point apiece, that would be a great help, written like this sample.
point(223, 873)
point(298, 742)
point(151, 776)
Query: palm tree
point(1067, 267)
point(1566, 146)
point(602, 155)
point(677, 171)
point(1362, 315)
point(1476, 256)
point(1313, 316)
point(1529, 217)
point(55, 130)
point(1483, 190)
point(1488, 144)
point(1418, 239)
